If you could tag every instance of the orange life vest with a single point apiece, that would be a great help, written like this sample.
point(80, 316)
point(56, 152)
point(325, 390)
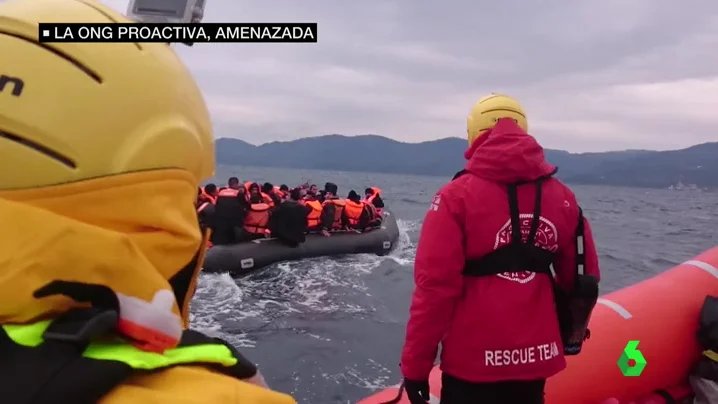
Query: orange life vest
point(203, 206)
point(370, 200)
point(209, 197)
point(339, 205)
point(353, 211)
point(257, 219)
point(375, 192)
point(267, 199)
point(247, 184)
point(281, 194)
point(230, 192)
point(314, 217)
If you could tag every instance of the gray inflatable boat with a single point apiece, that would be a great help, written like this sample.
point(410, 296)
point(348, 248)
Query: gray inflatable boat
point(240, 259)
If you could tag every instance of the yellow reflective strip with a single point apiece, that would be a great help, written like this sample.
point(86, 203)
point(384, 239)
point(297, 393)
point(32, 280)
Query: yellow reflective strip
point(31, 335)
point(139, 359)
point(27, 334)
point(711, 355)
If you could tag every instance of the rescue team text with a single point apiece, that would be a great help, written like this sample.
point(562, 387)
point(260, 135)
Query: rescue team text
point(521, 356)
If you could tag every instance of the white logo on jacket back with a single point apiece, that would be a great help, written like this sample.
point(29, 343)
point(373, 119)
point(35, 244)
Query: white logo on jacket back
point(546, 238)
point(435, 203)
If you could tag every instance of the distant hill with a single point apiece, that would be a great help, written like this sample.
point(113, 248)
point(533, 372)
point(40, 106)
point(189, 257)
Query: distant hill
point(641, 168)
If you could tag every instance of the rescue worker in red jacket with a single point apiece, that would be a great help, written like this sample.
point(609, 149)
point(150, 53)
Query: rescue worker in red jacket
point(491, 242)
point(357, 214)
point(332, 209)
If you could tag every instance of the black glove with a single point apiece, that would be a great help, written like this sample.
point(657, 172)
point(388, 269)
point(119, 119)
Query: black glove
point(417, 391)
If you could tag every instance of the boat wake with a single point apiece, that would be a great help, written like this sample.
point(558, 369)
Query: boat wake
point(239, 310)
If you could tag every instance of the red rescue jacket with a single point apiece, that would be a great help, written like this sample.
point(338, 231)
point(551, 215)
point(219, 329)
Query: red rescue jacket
point(498, 327)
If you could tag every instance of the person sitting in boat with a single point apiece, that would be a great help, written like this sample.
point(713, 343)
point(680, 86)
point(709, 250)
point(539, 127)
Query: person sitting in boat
point(256, 220)
point(227, 221)
point(314, 211)
point(101, 251)
point(373, 195)
point(288, 221)
point(313, 190)
point(284, 192)
point(322, 195)
point(357, 215)
point(332, 210)
point(232, 183)
point(268, 190)
point(205, 206)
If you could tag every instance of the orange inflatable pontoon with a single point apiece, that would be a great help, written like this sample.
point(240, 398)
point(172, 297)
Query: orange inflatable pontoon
point(661, 312)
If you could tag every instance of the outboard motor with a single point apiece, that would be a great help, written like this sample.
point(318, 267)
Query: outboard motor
point(167, 11)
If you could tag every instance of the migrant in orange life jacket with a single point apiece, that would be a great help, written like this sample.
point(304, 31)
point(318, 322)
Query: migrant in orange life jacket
point(208, 197)
point(375, 192)
point(281, 194)
point(267, 199)
point(339, 205)
point(314, 216)
point(257, 219)
point(353, 211)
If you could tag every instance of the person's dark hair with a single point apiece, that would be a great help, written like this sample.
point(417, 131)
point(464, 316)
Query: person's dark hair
point(267, 187)
point(368, 191)
point(313, 186)
point(353, 196)
point(283, 187)
point(331, 187)
point(295, 194)
point(233, 181)
point(254, 185)
point(210, 188)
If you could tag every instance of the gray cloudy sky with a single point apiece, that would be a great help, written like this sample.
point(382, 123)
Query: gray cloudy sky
point(592, 75)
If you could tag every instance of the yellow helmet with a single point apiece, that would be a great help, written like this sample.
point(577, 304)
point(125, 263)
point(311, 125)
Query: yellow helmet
point(488, 110)
point(74, 111)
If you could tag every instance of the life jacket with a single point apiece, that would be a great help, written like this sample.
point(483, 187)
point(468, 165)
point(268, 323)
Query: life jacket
point(315, 215)
point(353, 211)
point(228, 192)
point(370, 200)
point(70, 360)
point(247, 185)
point(211, 199)
point(203, 206)
point(281, 194)
point(573, 308)
point(375, 192)
point(267, 199)
point(339, 205)
point(257, 219)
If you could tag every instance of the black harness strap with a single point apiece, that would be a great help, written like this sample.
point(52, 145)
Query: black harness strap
point(518, 255)
point(57, 372)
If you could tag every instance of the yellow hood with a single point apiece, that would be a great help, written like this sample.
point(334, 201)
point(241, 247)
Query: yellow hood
point(132, 233)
